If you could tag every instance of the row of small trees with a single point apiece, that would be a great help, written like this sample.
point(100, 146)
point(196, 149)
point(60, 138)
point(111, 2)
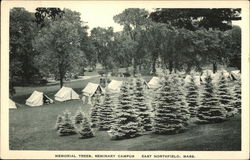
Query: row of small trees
point(67, 125)
point(215, 102)
point(172, 107)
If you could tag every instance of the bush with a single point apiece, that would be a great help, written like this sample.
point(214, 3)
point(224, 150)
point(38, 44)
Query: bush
point(66, 127)
point(126, 120)
point(79, 116)
point(85, 130)
point(126, 74)
point(210, 110)
point(102, 72)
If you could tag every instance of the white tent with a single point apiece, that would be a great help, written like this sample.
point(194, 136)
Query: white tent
point(90, 90)
point(38, 99)
point(216, 77)
point(66, 93)
point(114, 86)
point(12, 104)
point(154, 83)
point(235, 74)
point(196, 79)
point(207, 71)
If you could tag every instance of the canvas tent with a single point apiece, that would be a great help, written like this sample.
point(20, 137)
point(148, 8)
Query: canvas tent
point(90, 90)
point(154, 83)
point(207, 71)
point(38, 99)
point(114, 86)
point(12, 104)
point(66, 93)
point(217, 75)
point(235, 75)
point(197, 79)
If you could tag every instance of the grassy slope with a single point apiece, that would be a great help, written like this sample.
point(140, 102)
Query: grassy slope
point(33, 129)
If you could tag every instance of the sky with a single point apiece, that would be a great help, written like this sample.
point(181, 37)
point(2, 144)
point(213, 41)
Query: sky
point(103, 15)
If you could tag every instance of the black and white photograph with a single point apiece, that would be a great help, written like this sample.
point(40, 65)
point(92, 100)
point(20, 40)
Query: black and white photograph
point(86, 77)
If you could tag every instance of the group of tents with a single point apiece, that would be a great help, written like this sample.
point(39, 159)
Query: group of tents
point(39, 98)
point(66, 93)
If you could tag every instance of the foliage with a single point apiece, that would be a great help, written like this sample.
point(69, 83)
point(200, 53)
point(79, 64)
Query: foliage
point(184, 114)
point(210, 110)
point(237, 94)
point(50, 13)
point(59, 45)
point(134, 21)
point(21, 52)
point(193, 19)
point(141, 107)
point(233, 45)
point(85, 130)
point(95, 109)
point(167, 118)
point(192, 97)
point(66, 127)
point(106, 114)
point(127, 123)
point(59, 121)
point(225, 96)
point(78, 118)
point(103, 43)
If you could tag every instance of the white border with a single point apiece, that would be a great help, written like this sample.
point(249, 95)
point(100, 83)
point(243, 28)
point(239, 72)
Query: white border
point(5, 7)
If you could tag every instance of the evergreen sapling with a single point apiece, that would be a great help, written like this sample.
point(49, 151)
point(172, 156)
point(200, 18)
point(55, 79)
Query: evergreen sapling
point(79, 116)
point(167, 113)
point(225, 96)
point(142, 109)
point(85, 130)
point(67, 127)
point(237, 91)
point(94, 114)
point(210, 110)
point(127, 123)
point(192, 96)
point(106, 117)
point(59, 121)
point(184, 114)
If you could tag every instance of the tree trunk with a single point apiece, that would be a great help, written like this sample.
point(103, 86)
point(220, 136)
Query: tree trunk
point(170, 67)
point(61, 78)
point(214, 67)
point(153, 66)
point(140, 66)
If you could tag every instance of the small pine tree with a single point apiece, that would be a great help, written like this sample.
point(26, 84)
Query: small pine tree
point(79, 116)
point(192, 96)
point(67, 127)
point(142, 109)
point(59, 121)
point(167, 113)
point(127, 123)
point(237, 91)
point(181, 99)
point(225, 96)
point(85, 130)
point(94, 115)
point(106, 117)
point(210, 110)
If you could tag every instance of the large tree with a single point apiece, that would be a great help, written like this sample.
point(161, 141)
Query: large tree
point(103, 42)
point(133, 21)
point(233, 44)
point(193, 19)
point(59, 44)
point(22, 31)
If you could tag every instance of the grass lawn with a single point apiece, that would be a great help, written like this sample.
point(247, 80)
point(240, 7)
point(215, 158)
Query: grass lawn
point(32, 128)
